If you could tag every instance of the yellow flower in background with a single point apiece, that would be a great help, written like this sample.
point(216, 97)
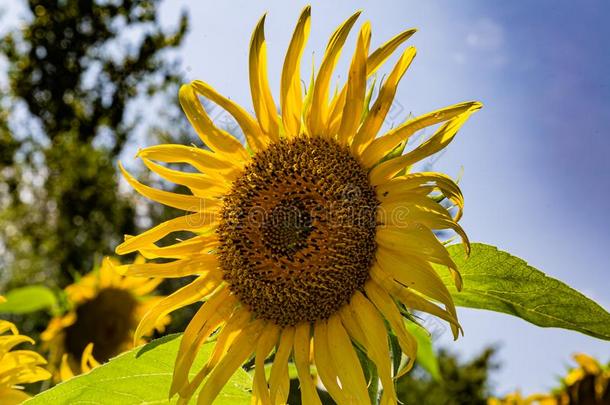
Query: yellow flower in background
point(514, 398)
point(313, 237)
point(17, 367)
point(105, 309)
point(587, 384)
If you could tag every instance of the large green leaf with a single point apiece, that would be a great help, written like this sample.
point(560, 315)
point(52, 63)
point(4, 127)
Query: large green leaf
point(140, 376)
point(425, 352)
point(29, 299)
point(497, 281)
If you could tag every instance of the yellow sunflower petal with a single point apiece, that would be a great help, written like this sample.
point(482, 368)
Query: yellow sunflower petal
point(353, 102)
point(195, 245)
point(279, 382)
point(318, 118)
point(122, 282)
point(412, 300)
point(415, 240)
point(227, 335)
point(257, 140)
point(411, 198)
point(266, 342)
point(241, 349)
point(22, 367)
point(420, 210)
point(13, 396)
point(383, 145)
point(214, 312)
point(264, 106)
point(203, 160)
point(56, 325)
point(146, 287)
point(373, 62)
point(423, 243)
point(346, 361)
point(8, 326)
point(88, 362)
point(192, 222)
point(382, 53)
point(361, 313)
point(374, 119)
point(8, 342)
point(200, 185)
point(324, 363)
point(65, 371)
point(218, 140)
point(199, 265)
point(415, 275)
point(441, 138)
point(291, 96)
point(399, 188)
point(588, 363)
point(414, 205)
point(108, 276)
point(302, 337)
point(193, 292)
point(386, 306)
point(180, 201)
point(421, 276)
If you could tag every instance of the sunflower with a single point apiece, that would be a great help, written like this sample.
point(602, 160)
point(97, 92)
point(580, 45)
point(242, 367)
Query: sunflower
point(17, 366)
point(105, 310)
point(589, 383)
point(313, 241)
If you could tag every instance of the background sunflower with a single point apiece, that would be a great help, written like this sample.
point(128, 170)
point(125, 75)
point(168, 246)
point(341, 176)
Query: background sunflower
point(586, 384)
point(17, 367)
point(105, 308)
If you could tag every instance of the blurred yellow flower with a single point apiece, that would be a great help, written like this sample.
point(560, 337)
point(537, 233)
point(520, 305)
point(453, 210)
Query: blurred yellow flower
point(315, 236)
point(17, 367)
point(105, 309)
point(587, 384)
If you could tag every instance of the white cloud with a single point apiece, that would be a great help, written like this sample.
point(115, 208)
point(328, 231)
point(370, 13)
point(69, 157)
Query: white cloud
point(486, 35)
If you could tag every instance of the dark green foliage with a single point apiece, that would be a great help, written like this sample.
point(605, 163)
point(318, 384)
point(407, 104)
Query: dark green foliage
point(75, 73)
point(463, 383)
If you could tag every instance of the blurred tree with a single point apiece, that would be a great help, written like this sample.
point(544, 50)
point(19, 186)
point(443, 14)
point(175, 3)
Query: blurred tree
point(75, 72)
point(463, 383)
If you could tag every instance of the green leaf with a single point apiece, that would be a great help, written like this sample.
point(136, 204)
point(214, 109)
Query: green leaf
point(142, 375)
point(425, 353)
point(29, 299)
point(497, 281)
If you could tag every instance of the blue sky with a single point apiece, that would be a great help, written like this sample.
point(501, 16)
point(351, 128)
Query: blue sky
point(536, 176)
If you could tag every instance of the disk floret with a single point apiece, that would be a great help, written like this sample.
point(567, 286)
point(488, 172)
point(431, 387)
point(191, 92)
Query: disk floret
point(297, 230)
point(105, 320)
